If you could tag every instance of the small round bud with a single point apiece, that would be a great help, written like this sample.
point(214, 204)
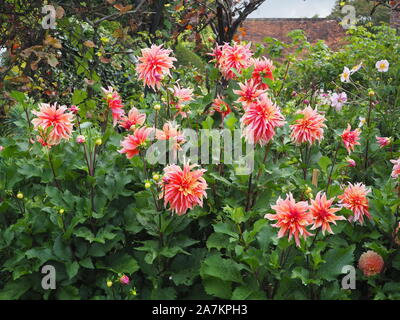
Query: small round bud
point(124, 280)
point(61, 211)
point(157, 107)
point(98, 142)
point(156, 177)
point(80, 139)
point(109, 283)
point(20, 195)
point(308, 190)
point(371, 93)
point(147, 185)
point(109, 96)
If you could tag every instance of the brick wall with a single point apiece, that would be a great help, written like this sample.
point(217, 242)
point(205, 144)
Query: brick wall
point(395, 18)
point(315, 29)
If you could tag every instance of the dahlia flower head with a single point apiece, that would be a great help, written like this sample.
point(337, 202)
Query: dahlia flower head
point(260, 120)
point(263, 69)
point(133, 143)
point(355, 199)
point(171, 133)
point(383, 141)
point(154, 64)
point(134, 119)
point(236, 57)
point(248, 93)
point(396, 168)
point(350, 138)
point(181, 97)
point(351, 162)
point(217, 54)
point(221, 106)
point(292, 217)
point(114, 102)
point(183, 189)
point(323, 213)
point(371, 263)
point(309, 128)
point(56, 121)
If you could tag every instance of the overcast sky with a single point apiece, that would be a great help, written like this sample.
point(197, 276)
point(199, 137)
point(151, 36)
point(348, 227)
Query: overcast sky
point(293, 9)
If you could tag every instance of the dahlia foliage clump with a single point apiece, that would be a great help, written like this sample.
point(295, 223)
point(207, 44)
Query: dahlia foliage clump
point(125, 191)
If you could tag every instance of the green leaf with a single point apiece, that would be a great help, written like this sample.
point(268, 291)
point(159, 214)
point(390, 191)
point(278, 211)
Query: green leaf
point(17, 95)
point(304, 275)
point(78, 97)
point(84, 232)
point(226, 228)
point(97, 250)
point(217, 241)
point(247, 292)
point(43, 254)
point(68, 293)
point(323, 163)
point(15, 289)
point(224, 269)
point(238, 215)
point(121, 263)
point(217, 287)
point(87, 263)
point(72, 269)
point(61, 250)
point(335, 260)
point(208, 123)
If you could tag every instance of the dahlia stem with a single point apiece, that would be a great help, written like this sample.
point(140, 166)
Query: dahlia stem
point(267, 149)
point(368, 125)
point(54, 172)
point(331, 171)
point(249, 192)
point(284, 78)
point(147, 178)
point(304, 160)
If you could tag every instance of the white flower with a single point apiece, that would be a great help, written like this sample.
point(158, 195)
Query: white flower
point(356, 68)
point(345, 76)
point(382, 65)
point(338, 100)
point(362, 121)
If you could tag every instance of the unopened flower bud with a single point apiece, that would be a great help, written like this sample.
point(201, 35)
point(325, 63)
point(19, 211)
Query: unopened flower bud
point(80, 139)
point(98, 141)
point(124, 280)
point(74, 109)
point(20, 195)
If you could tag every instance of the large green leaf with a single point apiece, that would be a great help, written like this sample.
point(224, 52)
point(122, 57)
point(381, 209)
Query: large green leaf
point(335, 260)
point(224, 269)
